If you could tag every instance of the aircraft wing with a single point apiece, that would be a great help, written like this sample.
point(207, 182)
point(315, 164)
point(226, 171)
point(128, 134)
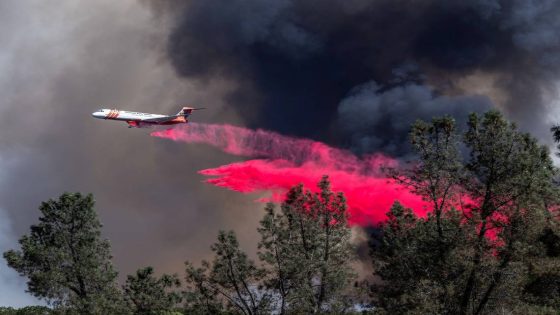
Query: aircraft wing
point(160, 119)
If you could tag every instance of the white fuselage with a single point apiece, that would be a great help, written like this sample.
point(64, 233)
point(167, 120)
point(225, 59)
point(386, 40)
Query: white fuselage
point(139, 120)
point(124, 115)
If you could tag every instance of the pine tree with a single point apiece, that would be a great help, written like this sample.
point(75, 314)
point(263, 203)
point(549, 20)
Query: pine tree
point(230, 282)
point(149, 295)
point(274, 253)
point(483, 256)
point(406, 256)
point(202, 297)
point(511, 182)
point(66, 260)
point(28, 310)
point(307, 251)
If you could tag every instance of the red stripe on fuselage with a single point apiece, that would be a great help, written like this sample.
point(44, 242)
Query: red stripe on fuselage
point(113, 114)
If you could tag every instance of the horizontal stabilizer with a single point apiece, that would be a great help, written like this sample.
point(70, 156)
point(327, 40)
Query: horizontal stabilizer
point(186, 111)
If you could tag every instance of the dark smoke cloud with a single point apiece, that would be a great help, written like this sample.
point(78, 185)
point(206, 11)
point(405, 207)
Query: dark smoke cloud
point(389, 114)
point(296, 61)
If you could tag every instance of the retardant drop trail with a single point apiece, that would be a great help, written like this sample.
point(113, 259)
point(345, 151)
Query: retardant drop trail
point(282, 162)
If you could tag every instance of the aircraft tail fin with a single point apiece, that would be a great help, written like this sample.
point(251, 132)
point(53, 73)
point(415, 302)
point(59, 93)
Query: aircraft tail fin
point(186, 111)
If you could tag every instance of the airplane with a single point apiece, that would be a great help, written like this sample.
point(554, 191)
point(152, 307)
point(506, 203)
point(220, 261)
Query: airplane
point(144, 120)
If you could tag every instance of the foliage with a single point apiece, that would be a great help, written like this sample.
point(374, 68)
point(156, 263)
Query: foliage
point(306, 254)
point(148, 295)
point(438, 175)
point(201, 297)
point(230, 283)
point(489, 255)
point(307, 251)
point(65, 259)
point(414, 272)
point(28, 310)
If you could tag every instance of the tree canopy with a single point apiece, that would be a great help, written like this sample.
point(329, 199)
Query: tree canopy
point(490, 243)
point(147, 294)
point(65, 259)
point(482, 248)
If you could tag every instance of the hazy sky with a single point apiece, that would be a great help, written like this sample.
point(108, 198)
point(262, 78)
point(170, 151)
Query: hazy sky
point(351, 73)
point(60, 63)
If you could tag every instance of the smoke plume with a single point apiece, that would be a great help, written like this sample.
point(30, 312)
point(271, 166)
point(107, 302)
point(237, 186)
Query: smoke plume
point(285, 161)
point(386, 127)
point(300, 64)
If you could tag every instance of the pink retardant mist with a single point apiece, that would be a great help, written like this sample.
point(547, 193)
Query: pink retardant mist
point(279, 162)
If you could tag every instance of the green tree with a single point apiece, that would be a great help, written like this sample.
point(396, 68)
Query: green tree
point(416, 277)
point(231, 282)
point(146, 294)
point(28, 310)
point(439, 173)
point(202, 296)
point(307, 251)
point(65, 259)
point(511, 181)
point(274, 251)
point(479, 258)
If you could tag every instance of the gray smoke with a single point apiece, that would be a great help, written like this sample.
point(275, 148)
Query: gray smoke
point(58, 64)
point(12, 287)
point(375, 118)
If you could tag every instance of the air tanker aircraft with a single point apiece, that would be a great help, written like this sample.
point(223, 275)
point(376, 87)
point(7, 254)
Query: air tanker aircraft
point(143, 120)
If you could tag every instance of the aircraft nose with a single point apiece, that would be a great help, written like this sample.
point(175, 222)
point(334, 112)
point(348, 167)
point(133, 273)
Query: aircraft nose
point(96, 114)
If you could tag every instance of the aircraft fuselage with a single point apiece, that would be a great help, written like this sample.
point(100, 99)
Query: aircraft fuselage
point(139, 120)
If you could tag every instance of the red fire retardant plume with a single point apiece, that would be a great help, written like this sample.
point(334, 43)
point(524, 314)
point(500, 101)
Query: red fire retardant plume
point(280, 162)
